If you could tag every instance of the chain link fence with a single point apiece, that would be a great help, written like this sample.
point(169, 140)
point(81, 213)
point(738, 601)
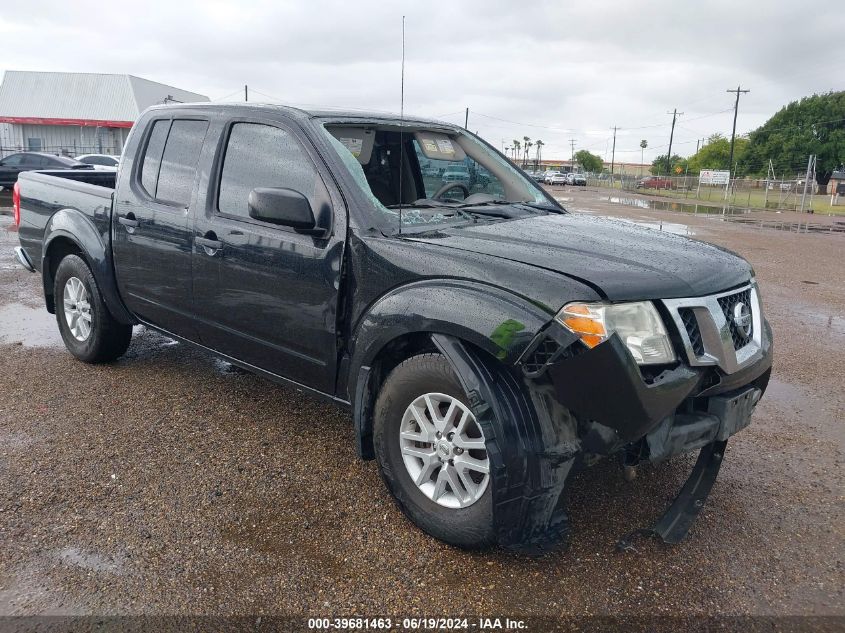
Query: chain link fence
point(72, 149)
point(793, 194)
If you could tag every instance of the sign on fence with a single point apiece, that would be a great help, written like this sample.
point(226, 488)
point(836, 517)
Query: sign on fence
point(714, 177)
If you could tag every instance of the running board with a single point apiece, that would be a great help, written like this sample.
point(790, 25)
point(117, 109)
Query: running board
point(673, 526)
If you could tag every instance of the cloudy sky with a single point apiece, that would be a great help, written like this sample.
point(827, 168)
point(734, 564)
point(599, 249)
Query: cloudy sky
point(543, 69)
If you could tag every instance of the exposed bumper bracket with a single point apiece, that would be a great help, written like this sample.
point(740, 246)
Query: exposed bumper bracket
point(24, 259)
point(673, 526)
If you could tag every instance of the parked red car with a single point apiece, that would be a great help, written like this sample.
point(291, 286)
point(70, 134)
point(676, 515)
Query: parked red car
point(654, 182)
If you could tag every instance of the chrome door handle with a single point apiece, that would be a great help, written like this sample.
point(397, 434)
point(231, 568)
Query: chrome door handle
point(210, 244)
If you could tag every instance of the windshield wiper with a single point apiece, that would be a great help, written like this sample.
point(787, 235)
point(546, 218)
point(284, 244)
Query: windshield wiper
point(542, 207)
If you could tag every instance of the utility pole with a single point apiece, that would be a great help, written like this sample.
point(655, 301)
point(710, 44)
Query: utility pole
point(811, 171)
point(466, 119)
point(613, 156)
point(572, 156)
point(675, 115)
point(246, 92)
point(738, 92)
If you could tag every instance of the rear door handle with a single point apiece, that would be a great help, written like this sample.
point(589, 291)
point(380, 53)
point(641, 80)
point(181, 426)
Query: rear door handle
point(210, 244)
point(129, 221)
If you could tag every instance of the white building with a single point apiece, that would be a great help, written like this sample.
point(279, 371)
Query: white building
point(76, 113)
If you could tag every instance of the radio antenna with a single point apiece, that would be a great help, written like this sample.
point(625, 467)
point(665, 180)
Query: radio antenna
point(401, 125)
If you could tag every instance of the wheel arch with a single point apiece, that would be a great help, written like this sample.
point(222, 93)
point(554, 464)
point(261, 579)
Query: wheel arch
point(69, 232)
point(495, 323)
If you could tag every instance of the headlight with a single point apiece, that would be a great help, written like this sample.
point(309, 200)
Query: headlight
point(638, 325)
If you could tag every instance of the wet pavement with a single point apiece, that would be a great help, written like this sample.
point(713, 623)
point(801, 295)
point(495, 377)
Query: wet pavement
point(168, 482)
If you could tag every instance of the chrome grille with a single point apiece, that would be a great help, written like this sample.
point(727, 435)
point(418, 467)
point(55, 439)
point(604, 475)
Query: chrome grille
point(691, 326)
point(728, 304)
point(717, 330)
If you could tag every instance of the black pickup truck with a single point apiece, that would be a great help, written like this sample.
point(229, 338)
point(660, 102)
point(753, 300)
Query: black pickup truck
point(487, 342)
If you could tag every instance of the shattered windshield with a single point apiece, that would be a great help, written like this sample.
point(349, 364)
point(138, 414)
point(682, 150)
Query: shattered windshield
point(432, 175)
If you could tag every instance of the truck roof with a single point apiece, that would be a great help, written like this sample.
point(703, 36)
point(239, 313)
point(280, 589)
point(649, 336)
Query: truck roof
point(317, 113)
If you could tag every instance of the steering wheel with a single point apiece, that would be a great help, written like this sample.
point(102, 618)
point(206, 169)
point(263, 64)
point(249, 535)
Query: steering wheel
point(448, 187)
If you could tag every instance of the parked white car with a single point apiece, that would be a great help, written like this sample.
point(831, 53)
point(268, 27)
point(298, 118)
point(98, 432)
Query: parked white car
point(104, 162)
point(555, 178)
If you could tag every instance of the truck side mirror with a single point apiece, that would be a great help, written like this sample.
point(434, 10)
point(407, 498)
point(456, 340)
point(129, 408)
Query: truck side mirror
point(285, 207)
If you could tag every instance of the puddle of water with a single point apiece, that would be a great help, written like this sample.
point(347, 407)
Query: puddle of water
point(668, 205)
point(94, 562)
point(31, 327)
point(728, 214)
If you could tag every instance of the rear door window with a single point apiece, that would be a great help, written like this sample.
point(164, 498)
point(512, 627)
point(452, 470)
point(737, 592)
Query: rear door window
point(152, 156)
point(32, 160)
point(169, 167)
point(179, 161)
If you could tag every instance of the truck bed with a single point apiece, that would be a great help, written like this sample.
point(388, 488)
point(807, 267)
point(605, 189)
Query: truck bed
point(43, 193)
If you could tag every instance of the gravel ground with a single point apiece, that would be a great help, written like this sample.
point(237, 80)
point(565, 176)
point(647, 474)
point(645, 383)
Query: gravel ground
point(168, 482)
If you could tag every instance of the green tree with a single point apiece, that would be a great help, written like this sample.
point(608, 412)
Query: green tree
point(658, 165)
point(716, 152)
point(589, 162)
point(812, 125)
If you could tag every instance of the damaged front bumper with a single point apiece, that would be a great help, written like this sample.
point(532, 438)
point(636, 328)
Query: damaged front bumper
point(668, 411)
point(570, 406)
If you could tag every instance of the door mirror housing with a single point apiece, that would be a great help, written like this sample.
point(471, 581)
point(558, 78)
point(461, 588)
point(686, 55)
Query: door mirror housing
point(286, 207)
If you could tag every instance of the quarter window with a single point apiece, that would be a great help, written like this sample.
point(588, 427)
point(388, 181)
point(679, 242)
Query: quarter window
point(260, 155)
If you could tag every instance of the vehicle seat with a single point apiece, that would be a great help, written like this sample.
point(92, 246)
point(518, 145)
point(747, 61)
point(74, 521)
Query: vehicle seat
point(382, 192)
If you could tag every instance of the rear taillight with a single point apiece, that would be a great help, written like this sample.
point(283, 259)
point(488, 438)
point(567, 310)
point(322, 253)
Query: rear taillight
point(16, 202)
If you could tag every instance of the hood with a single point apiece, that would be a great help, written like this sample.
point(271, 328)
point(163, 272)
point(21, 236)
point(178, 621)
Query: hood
point(621, 260)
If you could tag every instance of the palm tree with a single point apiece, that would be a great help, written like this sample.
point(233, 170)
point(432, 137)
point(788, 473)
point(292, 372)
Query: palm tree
point(516, 146)
point(643, 145)
point(539, 154)
point(527, 144)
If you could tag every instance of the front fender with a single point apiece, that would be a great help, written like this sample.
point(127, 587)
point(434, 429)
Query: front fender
point(489, 318)
point(75, 227)
point(492, 319)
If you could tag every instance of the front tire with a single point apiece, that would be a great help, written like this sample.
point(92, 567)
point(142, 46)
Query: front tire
point(88, 329)
point(432, 454)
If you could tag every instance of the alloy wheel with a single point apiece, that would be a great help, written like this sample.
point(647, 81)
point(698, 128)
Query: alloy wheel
point(77, 309)
point(444, 451)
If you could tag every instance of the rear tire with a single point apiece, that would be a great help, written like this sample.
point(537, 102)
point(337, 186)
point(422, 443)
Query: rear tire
point(462, 517)
point(87, 327)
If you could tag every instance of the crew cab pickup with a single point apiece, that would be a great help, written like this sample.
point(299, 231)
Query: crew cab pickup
point(487, 342)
